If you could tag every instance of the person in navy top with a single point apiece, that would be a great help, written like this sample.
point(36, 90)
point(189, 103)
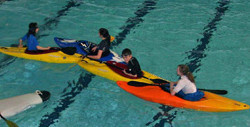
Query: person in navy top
point(30, 37)
point(102, 49)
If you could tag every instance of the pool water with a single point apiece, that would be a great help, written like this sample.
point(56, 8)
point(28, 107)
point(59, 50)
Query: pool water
point(209, 36)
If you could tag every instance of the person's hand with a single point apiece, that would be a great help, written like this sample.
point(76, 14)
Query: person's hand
point(124, 71)
point(83, 56)
point(93, 49)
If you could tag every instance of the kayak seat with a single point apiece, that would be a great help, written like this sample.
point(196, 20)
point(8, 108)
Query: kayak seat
point(34, 52)
point(118, 68)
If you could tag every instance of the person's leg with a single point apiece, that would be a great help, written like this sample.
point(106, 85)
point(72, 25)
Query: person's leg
point(194, 96)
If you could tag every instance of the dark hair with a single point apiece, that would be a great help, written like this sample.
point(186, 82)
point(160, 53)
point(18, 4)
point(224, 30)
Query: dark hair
point(32, 28)
point(105, 33)
point(184, 69)
point(126, 52)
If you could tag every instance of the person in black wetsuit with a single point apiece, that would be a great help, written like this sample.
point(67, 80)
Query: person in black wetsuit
point(102, 49)
point(134, 68)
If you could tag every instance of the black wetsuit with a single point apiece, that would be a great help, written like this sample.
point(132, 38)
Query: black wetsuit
point(104, 46)
point(134, 67)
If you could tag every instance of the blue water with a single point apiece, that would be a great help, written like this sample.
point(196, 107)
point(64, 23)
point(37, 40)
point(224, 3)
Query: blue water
point(209, 36)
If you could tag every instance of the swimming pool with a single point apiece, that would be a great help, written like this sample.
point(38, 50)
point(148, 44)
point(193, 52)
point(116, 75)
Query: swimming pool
point(210, 36)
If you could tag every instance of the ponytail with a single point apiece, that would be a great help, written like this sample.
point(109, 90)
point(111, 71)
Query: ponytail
point(32, 31)
point(184, 69)
point(190, 77)
point(105, 33)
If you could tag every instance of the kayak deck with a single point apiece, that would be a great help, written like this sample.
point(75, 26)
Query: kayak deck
point(102, 69)
point(50, 56)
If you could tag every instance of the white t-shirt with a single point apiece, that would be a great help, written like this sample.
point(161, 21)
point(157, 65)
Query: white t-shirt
point(185, 85)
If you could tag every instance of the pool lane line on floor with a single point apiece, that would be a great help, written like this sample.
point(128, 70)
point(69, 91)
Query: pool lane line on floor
point(132, 22)
point(165, 116)
point(49, 22)
point(197, 54)
point(66, 99)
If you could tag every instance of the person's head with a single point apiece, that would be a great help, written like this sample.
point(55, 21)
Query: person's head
point(104, 33)
point(184, 70)
point(126, 55)
point(33, 28)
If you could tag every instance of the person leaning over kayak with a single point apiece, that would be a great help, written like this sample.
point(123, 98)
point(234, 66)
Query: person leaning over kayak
point(102, 49)
point(185, 87)
point(32, 43)
point(134, 68)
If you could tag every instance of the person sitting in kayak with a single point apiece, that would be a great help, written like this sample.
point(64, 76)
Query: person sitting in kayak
point(32, 43)
point(134, 68)
point(185, 87)
point(102, 49)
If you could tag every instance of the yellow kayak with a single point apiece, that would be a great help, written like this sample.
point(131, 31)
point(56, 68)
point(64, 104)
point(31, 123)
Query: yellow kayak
point(50, 56)
point(113, 71)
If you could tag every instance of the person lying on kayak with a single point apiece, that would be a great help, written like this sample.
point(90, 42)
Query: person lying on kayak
point(32, 43)
point(102, 49)
point(185, 87)
point(134, 68)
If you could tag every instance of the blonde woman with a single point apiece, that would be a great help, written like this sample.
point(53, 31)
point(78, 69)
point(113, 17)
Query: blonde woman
point(185, 87)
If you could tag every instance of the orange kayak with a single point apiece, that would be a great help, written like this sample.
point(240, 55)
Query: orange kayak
point(209, 103)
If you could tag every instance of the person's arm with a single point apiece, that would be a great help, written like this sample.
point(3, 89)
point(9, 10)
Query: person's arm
point(39, 47)
point(179, 86)
point(42, 48)
point(129, 74)
point(172, 88)
point(93, 49)
point(98, 56)
point(20, 43)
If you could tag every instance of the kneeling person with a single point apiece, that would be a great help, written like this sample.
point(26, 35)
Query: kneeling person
point(134, 68)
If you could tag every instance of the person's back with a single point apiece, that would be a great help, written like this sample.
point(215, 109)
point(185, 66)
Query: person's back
point(32, 43)
point(102, 49)
point(104, 46)
point(185, 87)
point(134, 67)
